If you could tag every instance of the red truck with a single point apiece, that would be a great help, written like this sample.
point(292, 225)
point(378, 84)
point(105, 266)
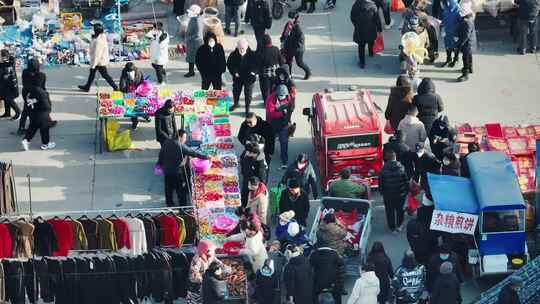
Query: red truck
point(346, 133)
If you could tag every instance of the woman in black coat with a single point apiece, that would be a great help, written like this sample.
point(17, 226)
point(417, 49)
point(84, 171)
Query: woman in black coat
point(367, 24)
point(242, 64)
point(214, 285)
point(210, 61)
point(441, 136)
point(9, 89)
point(293, 42)
point(428, 102)
point(383, 270)
point(295, 199)
point(298, 276)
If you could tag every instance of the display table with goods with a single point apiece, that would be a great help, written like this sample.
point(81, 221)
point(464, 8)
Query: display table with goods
point(518, 142)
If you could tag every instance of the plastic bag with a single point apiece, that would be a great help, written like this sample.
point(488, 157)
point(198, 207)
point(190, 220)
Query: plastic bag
point(397, 6)
point(388, 128)
point(117, 141)
point(412, 203)
point(158, 170)
point(378, 45)
point(275, 196)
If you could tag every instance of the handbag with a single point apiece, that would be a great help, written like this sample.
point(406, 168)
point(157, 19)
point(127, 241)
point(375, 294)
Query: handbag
point(378, 45)
point(397, 6)
point(388, 128)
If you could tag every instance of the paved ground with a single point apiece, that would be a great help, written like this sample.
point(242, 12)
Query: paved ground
point(504, 88)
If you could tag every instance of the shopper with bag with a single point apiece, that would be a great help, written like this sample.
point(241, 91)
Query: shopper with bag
point(367, 24)
point(394, 186)
point(293, 44)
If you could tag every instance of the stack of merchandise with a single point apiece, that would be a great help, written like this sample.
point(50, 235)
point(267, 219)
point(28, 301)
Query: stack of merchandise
point(353, 222)
point(519, 143)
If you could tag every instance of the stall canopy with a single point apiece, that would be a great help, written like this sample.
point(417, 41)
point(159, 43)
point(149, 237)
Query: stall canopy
point(495, 181)
point(452, 193)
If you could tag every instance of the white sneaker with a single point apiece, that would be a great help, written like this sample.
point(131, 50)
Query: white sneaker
point(48, 146)
point(25, 144)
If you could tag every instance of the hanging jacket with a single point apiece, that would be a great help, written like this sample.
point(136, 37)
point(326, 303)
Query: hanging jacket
point(80, 242)
point(121, 231)
point(165, 124)
point(298, 277)
point(6, 243)
point(25, 240)
point(393, 181)
point(91, 231)
point(64, 236)
point(137, 235)
point(9, 87)
point(365, 290)
point(171, 231)
point(107, 236)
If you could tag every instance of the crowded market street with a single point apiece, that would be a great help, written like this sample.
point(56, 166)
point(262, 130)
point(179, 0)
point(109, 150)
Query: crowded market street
point(504, 88)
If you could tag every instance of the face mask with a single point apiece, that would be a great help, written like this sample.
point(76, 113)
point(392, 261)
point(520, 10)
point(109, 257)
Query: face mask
point(282, 77)
point(444, 257)
point(301, 165)
point(446, 161)
point(242, 51)
point(211, 43)
point(131, 74)
point(218, 272)
point(282, 223)
point(282, 97)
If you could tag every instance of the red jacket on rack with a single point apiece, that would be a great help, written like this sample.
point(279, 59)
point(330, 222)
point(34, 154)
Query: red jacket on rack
point(121, 230)
point(170, 231)
point(6, 243)
point(64, 236)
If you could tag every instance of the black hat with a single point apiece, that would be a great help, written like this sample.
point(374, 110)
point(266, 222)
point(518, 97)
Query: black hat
point(293, 183)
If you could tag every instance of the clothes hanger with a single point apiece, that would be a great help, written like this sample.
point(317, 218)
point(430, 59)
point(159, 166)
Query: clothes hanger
point(68, 218)
point(39, 219)
point(83, 217)
point(113, 217)
point(99, 217)
point(129, 215)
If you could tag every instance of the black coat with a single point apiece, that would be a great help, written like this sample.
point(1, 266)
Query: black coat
point(328, 270)
point(424, 164)
point(210, 61)
point(258, 14)
point(213, 289)
point(38, 100)
point(446, 290)
point(234, 2)
point(393, 181)
point(243, 65)
point(253, 166)
point(464, 166)
point(298, 277)
point(433, 269)
point(466, 35)
point(44, 239)
point(262, 128)
point(269, 59)
point(172, 154)
point(300, 205)
point(294, 43)
point(399, 148)
point(267, 288)
point(365, 20)
point(165, 125)
point(429, 103)
point(9, 87)
point(420, 240)
point(384, 272)
point(30, 78)
point(508, 296)
point(440, 131)
point(452, 169)
point(126, 84)
point(528, 9)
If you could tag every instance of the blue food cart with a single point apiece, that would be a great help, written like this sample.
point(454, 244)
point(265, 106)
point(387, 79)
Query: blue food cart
point(493, 195)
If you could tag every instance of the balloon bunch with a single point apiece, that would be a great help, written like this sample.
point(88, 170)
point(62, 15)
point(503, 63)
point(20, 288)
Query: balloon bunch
point(412, 48)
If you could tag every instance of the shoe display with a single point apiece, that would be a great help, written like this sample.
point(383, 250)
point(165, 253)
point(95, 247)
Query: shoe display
point(50, 145)
point(25, 145)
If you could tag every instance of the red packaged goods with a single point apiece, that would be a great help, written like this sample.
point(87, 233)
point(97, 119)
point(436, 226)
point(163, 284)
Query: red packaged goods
point(497, 144)
point(525, 162)
point(479, 131)
point(531, 143)
point(494, 130)
point(522, 131)
point(466, 138)
point(510, 132)
point(464, 128)
point(517, 145)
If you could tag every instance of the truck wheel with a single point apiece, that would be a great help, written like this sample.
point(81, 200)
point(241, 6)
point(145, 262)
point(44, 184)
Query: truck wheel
point(277, 10)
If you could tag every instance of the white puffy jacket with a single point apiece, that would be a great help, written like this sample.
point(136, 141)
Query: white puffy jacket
point(365, 290)
point(159, 51)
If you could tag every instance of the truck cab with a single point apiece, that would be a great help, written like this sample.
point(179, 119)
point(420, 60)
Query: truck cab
point(346, 133)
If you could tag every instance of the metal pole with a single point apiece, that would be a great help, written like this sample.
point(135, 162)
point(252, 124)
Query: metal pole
point(537, 196)
point(29, 194)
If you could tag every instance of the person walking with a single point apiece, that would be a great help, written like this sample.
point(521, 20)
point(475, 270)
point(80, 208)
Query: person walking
point(446, 289)
point(467, 39)
point(174, 161)
point(450, 22)
point(270, 60)
point(331, 234)
point(293, 198)
point(394, 187)
point(258, 199)
point(409, 280)
point(328, 272)
point(9, 87)
point(383, 270)
point(210, 61)
point(194, 37)
point(242, 64)
point(254, 124)
point(367, 288)
point(278, 114)
point(425, 162)
point(252, 163)
point(165, 123)
point(232, 13)
point(528, 25)
point(509, 293)
point(258, 15)
point(99, 59)
point(445, 255)
point(298, 276)
point(283, 77)
point(428, 102)
point(159, 51)
point(384, 6)
point(345, 187)
point(130, 79)
point(214, 285)
point(399, 100)
point(39, 104)
point(293, 44)
point(367, 24)
point(302, 170)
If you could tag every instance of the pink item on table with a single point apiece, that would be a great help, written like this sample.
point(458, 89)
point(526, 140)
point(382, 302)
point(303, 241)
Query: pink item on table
point(223, 224)
point(201, 165)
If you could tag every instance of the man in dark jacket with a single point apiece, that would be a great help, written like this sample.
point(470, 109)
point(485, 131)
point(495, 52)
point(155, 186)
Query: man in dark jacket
point(210, 61)
point(232, 13)
point(367, 24)
point(420, 240)
point(303, 172)
point(293, 43)
point(441, 136)
point(509, 293)
point(258, 14)
point(9, 89)
point(166, 123)
point(256, 125)
point(394, 186)
point(269, 59)
point(466, 39)
point(295, 199)
point(298, 276)
point(174, 160)
point(242, 65)
point(39, 104)
point(328, 272)
point(252, 163)
point(471, 147)
point(396, 144)
point(445, 255)
point(447, 288)
point(428, 102)
point(528, 25)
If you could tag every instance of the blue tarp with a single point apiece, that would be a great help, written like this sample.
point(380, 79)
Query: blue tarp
point(495, 181)
point(453, 193)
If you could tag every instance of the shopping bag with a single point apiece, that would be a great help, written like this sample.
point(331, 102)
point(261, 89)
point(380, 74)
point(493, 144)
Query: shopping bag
point(158, 170)
point(412, 203)
point(388, 128)
point(378, 46)
point(117, 141)
point(397, 6)
point(275, 196)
